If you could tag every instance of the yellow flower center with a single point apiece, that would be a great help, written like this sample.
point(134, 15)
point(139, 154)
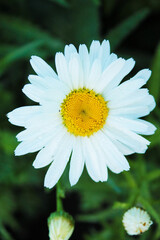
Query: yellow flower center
point(84, 112)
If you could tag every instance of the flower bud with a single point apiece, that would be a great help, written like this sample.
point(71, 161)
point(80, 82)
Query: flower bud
point(136, 221)
point(61, 226)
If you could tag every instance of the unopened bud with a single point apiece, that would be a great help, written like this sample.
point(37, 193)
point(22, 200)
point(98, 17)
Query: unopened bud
point(61, 226)
point(136, 221)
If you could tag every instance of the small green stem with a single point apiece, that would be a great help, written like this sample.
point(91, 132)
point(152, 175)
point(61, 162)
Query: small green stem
point(59, 196)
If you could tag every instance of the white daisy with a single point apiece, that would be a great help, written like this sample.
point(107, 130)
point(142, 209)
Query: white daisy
point(136, 221)
point(84, 113)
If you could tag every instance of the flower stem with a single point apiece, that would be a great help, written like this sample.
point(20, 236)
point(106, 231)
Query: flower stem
point(59, 196)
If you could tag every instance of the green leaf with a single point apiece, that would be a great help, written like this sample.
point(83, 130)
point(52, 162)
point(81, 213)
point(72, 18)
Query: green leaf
point(121, 31)
point(4, 233)
point(20, 52)
point(85, 21)
point(8, 142)
point(153, 175)
point(154, 82)
point(100, 215)
point(63, 3)
point(27, 32)
point(6, 48)
point(97, 2)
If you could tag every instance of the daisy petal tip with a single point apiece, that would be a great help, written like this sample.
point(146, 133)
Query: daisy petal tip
point(149, 72)
point(34, 57)
point(132, 61)
point(48, 185)
point(72, 182)
point(58, 55)
point(106, 42)
point(154, 129)
point(153, 103)
point(142, 151)
point(127, 168)
point(35, 165)
point(30, 77)
point(8, 115)
point(16, 152)
point(24, 88)
point(95, 41)
point(145, 74)
point(104, 179)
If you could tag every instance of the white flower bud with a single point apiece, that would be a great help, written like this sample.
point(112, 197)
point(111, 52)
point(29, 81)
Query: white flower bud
point(61, 226)
point(136, 221)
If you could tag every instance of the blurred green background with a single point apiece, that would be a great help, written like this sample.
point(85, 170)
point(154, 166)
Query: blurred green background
point(43, 27)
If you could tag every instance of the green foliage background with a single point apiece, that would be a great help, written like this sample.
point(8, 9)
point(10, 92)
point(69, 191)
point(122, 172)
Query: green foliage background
point(42, 27)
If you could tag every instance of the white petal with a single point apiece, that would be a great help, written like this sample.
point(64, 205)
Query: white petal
point(43, 95)
point(62, 69)
point(115, 160)
point(111, 58)
point(48, 83)
point(55, 96)
point(124, 149)
point(95, 166)
point(46, 155)
point(151, 103)
point(94, 76)
point(139, 98)
point(33, 92)
point(75, 71)
point(43, 119)
point(150, 127)
point(85, 61)
point(131, 124)
point(36, 137)
point(89, 161)
point(101, 159)
point(69, 50)
point(42, 68)
point(143, 74)
point(120, 92)
point(125, 68)
point(109, 74)
point(39, 130)
point(21, 115)
point(30, 146)
point(77, 162)
point(104, 52)
point(129, 138)
point(61, 159)
point(131, 85)
point(130, 112)
point(94, 50)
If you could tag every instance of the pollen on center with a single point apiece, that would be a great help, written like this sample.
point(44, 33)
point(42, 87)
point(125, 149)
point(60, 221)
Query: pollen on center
point(84, 112)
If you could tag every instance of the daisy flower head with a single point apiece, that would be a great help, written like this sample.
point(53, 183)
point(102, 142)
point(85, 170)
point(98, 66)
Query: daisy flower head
point(136, 221)
point(84, 113)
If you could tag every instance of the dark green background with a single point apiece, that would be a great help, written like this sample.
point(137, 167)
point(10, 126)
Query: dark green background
point(43, 27)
